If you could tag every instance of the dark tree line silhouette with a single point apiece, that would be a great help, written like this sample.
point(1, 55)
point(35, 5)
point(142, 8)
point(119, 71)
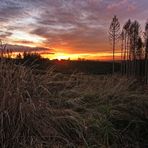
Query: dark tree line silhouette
point(134, 48)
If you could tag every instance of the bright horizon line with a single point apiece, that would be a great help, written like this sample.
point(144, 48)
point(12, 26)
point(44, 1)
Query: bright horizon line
point(73, 56)
point(53, 53)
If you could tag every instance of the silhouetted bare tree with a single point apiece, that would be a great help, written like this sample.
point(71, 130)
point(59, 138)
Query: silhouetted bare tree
point(126, 33)
point(122, 49)
point(134, 38)
point(114, 34)
point(2, 48)
point(146, 52)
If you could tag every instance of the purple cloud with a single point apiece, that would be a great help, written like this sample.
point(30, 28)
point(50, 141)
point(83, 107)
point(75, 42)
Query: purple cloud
point(74, 26)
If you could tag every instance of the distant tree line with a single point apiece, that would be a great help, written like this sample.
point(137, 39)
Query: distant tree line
point(134, 47)
point(39, 64)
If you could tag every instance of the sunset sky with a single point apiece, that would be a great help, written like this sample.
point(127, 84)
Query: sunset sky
point(65, 28)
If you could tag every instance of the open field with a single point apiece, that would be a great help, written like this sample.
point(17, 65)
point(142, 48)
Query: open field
point(54, 110)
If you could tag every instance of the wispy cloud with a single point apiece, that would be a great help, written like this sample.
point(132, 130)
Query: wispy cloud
point(72, 26)
point(18, 48)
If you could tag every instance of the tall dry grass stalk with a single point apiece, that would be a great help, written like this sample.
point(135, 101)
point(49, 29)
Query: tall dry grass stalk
point(29, 113)
point(40, 110)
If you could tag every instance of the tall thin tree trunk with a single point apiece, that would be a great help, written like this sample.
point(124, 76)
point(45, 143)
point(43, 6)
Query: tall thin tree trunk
point(128, 57)
point(113, 68)
point(125, 56)
point(146, 67)
point(122, 46)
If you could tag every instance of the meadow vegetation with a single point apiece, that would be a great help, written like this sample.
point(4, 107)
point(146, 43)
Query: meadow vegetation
point(47, 109)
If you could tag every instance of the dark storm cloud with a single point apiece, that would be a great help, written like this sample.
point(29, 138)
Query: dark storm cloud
point(77, 26)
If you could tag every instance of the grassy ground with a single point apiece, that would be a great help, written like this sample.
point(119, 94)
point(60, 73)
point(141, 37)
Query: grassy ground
point(53, 110)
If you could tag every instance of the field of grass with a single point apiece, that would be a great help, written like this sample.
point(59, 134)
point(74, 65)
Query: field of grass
point(54, 110)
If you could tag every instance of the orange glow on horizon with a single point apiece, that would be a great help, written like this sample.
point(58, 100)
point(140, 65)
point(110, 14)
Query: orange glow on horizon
point(86, 56)
point(66, 56)
point(56, 52)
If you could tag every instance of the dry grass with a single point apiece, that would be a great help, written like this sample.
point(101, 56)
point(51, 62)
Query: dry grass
point(54, 110)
